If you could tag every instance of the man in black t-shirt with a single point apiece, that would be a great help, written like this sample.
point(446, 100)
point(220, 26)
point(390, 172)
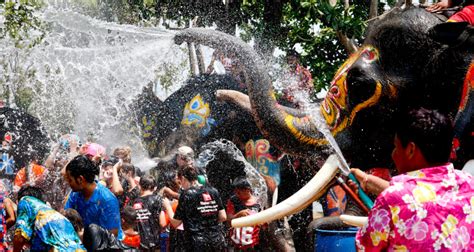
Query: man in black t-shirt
point(201, 211)
point(148, 208)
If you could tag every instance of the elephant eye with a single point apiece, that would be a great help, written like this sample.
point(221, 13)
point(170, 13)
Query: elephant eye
point(369, 54)
point(360, 86)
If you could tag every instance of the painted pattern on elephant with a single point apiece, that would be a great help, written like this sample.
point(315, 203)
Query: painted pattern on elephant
point(335, 107)
point(197, 113)
point(258, 153)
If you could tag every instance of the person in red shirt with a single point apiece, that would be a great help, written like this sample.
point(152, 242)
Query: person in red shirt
point(243, 203)
point(466, 14)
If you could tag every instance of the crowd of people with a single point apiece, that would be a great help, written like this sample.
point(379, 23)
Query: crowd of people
point(82, 199)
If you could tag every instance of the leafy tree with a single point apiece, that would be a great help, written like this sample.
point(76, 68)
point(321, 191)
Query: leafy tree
point(21, 25)
point(23, 30)
point(316, 26)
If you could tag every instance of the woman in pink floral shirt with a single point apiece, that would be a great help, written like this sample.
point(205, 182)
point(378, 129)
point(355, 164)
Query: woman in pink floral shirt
point(430, 205)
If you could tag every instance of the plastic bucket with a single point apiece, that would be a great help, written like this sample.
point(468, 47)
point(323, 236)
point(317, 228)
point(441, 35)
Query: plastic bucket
point(335, 240)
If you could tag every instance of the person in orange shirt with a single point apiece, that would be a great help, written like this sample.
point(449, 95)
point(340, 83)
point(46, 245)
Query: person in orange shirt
point(33, 174)
point(131, 236)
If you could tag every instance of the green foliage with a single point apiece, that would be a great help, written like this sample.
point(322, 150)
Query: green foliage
point(313, 24)
point(21, 24)
point(24, 97)
point(167, 74)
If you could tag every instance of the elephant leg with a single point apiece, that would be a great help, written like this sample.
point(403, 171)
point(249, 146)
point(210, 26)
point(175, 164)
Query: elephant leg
point(280, 237)
point(299, 224)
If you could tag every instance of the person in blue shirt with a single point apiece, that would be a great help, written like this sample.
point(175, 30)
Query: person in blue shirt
point(41, 226)
point(95, 203)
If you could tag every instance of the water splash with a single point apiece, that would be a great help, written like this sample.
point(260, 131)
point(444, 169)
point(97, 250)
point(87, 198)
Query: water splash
point(86, 74)
point(318, 120)
point(146, 164)
point(210, 150)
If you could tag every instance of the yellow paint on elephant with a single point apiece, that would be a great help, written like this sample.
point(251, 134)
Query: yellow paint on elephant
point(374, 99)
point(148, 126)
point(363, 105)
point(393, 90)
point(290, 123)
point(335, 108)
point(196, 112)
point(424, 192)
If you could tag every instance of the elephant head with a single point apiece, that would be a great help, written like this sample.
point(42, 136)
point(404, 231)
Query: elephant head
point(398, 67)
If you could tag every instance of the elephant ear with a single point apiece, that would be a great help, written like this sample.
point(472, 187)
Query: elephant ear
point(453, 33)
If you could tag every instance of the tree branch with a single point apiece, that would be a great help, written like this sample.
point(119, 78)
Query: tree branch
point(200, 59)
point(192, 58)
point(374, 4)
point(346, 42)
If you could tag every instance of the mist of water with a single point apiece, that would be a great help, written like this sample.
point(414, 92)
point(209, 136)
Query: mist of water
point(314, 112)
point(86, 74)
point(209, 152)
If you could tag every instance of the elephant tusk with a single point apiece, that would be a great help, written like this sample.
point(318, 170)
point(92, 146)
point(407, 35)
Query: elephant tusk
point(235, 97)
point(312, 191)
point(356, 221)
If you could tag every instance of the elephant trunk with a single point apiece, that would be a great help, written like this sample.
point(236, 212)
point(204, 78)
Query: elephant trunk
point(312, 191)
point(293, 134)
point(243, 101)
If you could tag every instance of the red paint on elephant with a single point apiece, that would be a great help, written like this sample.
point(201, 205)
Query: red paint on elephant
point(336, 201)
point(468, 86)
point(335, 107)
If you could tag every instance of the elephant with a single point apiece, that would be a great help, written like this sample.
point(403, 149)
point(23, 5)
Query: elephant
point(409, 59)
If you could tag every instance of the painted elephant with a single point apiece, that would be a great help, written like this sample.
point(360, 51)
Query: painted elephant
point(401, 65)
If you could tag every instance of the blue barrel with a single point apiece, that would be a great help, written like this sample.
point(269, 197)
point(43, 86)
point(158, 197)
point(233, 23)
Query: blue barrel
point(335, 240)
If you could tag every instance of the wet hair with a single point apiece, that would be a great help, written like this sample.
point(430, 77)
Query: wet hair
point(75, 218)
point(82, 166)
point(129, 215)
point(147, 182)
point(168, 179)
point(30, 191)
point(34, 155)
point(292, 53)
point(112, 160)
point(127, 167)
point(188, 172)
point(124, 153)
point(431, 131)
point(139, 172)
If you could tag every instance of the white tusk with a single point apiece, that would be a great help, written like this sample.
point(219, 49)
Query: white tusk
point(356, 221)
point(312, 191)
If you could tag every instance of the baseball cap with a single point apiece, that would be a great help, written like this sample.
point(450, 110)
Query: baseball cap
point(185, 152)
